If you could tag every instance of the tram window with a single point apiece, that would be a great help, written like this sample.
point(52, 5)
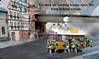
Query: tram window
point(82, 38)
point(67, 37)
point(76, 37)
point(70, 37)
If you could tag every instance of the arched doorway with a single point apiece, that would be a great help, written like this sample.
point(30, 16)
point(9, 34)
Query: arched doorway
point(13, 36)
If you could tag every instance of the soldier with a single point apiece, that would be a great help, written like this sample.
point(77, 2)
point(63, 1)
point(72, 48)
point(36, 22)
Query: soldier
point(66, 49)
point(59, 46)
point(48, 42)
point(51, 47)
point(74, 44)
point(88, 42)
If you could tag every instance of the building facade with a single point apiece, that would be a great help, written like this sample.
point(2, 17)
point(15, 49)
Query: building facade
point(18, 19)
point(4, 34)
point(21, 18)
point(32, 17)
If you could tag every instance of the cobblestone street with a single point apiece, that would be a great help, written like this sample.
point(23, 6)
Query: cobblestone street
point(34, 50)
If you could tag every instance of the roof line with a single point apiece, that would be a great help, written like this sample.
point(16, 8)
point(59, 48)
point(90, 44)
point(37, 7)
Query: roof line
point(4, 11)
point(64, 15)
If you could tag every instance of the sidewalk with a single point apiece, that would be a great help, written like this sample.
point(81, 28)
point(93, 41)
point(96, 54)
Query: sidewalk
point(13, 43)
point(9, 43)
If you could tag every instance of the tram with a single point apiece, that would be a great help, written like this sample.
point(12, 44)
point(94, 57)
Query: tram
point(71, 41)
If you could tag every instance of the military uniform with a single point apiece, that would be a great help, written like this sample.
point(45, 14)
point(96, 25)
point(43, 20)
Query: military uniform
point(51, 46)
point(88, 42)
point(59, 46)
point(67, 45)
point(74, 44)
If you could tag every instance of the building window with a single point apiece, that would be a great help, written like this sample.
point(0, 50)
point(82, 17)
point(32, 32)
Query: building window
point(21, 0)
point(3, 30)
point(25, 10)
point(20, 8)
point(14, 13)
point(25, 1)
point(2, 16)
point(10, 13)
